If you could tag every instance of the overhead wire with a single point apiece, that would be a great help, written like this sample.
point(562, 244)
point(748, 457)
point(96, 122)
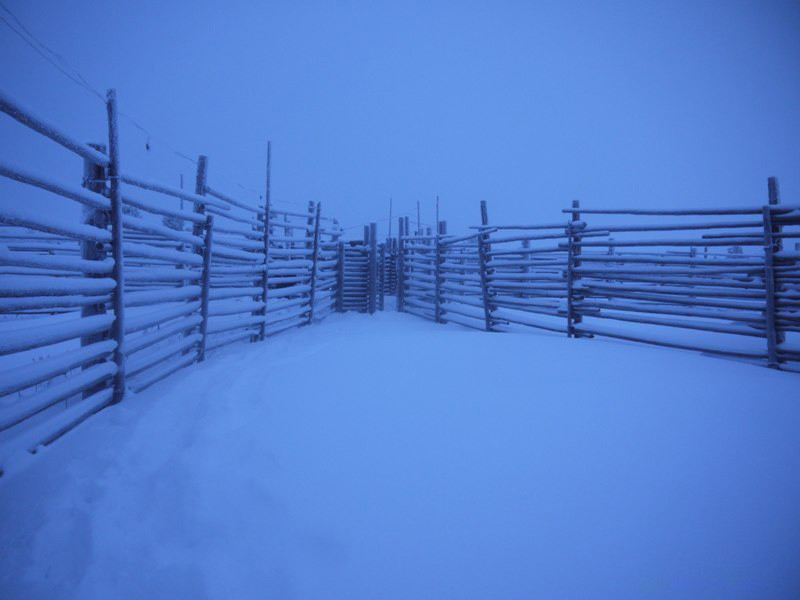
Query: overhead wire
point(64, 67)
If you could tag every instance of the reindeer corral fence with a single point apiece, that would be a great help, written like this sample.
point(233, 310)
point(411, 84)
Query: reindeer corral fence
point(139, 289)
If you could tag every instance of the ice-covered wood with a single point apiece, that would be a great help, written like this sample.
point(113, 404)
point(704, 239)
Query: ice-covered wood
point(21, 377)
point(29, 118)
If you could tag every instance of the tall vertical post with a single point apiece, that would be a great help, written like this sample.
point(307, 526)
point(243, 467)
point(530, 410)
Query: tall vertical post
point(340, 277)
point(774, 199)
point(309, 254)
point(483, 262)
point(437, 300)
point(118, 273)
point(373, 268)
point(401, 267)
point(575, 262)
point(570, 278)
point(262, 333)
point(314, 259)
point(205, 283)
point(419, 222)
point(381, 276)
point(200, 189)
point(769, 284)
point(94, 180)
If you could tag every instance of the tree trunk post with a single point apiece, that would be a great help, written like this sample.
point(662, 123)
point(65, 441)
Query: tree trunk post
point(200, 189)
point(775, 199)
point(575, 262)
point(401, 267)
point(205, 286)
point(262, 333)
point(483, 261)
point(372, 232)
point(381, 276)
point(570, 279)
point(437, 299)
point(314, 259)
point(118, 297)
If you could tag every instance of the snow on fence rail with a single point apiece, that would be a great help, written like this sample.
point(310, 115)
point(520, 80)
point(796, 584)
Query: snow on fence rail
point(647, 278)
point(140, 288)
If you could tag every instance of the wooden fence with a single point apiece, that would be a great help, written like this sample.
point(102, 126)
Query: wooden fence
point(717, 281)
point(138, 290)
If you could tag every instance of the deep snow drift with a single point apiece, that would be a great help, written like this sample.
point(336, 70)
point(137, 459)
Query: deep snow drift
point(389, 457)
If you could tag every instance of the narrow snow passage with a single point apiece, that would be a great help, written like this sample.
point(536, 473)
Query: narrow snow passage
point(388, 457)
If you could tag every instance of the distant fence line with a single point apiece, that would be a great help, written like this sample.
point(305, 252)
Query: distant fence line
point(158, 287)
point(554, 277)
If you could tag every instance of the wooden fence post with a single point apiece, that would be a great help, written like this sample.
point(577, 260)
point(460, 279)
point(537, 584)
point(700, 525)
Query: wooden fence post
point(309, 246)
point(340, 278)
point(118, 273)
point(437, 300)
point(570, 277)
point(372, 232)
point(200, 189)
point(774, 199)
point(769, 284)
point(483, 261)
point(94, 180)
point(314, 259)
point(262, 333)
point(401, 280)
point(575, 262)
point(382, 277)
point(206, 284)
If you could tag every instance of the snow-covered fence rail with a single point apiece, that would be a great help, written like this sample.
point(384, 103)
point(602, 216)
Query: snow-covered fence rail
point(648, 278)
point(139, 288)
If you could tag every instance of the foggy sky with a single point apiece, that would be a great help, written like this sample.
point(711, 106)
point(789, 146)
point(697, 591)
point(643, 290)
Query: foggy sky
point(524, 104)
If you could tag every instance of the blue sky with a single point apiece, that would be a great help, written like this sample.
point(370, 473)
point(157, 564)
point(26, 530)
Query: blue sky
point(525, 104)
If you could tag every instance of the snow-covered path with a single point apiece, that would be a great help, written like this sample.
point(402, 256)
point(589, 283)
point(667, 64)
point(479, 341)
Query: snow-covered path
point(388, 457)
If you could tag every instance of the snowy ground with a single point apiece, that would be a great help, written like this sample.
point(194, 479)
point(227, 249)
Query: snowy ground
point(389, 457)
